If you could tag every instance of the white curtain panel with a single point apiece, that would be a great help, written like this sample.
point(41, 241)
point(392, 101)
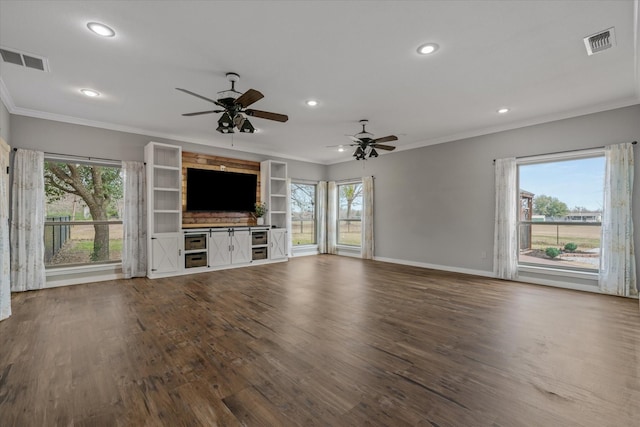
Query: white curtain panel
point(134, 245)
point(505, 242)
point(367, 217)
point(5, 272)
point(332, 217)
point(321, 215)
point(27, 221)
point(617, 260)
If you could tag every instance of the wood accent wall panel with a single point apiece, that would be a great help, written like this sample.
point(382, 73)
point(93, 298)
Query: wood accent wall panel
point(216, 219)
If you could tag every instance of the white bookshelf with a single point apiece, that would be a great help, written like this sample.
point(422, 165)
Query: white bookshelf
point(164, 206)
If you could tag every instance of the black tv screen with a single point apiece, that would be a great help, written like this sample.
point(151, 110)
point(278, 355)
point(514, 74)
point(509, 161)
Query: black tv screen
point(211, 191)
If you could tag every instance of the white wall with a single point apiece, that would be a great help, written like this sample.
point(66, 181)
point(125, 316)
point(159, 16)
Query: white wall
point(435, 205)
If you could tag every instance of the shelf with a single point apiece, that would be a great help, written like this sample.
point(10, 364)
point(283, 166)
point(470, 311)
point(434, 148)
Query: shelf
point(259, 246)
point(165, 189)
point(278, 195)
point(273, 178)
point(278, 212)
point(170, 168)
point(195, 251)
point(166, 211)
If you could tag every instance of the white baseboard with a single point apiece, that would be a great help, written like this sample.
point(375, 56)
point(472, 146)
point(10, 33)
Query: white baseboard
point(490, 274)
point(437, 267)
point(82, 280)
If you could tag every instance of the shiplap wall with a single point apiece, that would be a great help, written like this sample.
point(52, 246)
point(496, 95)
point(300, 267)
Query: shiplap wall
point(216, 219)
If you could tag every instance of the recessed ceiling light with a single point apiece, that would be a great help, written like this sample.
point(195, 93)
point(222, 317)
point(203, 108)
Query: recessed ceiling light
point(503, 110)
point(341, 149)
point(101, 29)
point(90, 92)
point(427, 48)
point(312, 103)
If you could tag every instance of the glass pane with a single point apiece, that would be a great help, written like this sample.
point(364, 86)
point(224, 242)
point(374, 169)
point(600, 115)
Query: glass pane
point(561, 246)
point(82, 192)
point(77, 244)
point(349, 214)
point(349, 232)
point(303, 214)
point(569, 192)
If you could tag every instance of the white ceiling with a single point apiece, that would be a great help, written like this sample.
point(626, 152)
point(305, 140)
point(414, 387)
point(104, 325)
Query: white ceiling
point(357, 58)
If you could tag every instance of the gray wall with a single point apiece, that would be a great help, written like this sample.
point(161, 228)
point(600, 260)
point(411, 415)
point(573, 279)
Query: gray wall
point(5, 122)
point(435, 205)
point(65, 138)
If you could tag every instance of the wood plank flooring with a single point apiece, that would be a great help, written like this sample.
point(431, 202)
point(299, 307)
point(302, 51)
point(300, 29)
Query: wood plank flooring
point(319, 341)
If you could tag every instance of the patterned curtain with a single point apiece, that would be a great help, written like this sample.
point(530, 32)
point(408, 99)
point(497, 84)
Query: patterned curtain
point(5, 272)
point(27, 221)
point(321, 215)
point(505, 242)
point(332, 217)
point(617, 261)
point(367, 217)
point(134, 246)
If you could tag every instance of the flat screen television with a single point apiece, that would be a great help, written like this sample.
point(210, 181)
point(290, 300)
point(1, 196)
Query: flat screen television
point(217, 191)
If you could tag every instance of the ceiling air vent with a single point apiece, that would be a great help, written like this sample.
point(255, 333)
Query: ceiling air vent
point(600, 41)
point(13, 56)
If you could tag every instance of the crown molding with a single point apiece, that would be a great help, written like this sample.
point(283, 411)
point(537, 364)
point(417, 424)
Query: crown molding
point(636, 44)
point(138, 131)
point(548, 118)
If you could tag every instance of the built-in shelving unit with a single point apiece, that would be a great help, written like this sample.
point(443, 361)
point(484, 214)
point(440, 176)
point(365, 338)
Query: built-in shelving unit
point(274, 192)
point(164, 207)
point(175, 248)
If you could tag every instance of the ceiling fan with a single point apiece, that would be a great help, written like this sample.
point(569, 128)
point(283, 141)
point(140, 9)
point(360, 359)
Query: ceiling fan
point(234, 108)
point(366, 145)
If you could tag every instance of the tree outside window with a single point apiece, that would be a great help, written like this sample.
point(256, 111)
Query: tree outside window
point(350, 214)
point(303, 214)
point(84, 206)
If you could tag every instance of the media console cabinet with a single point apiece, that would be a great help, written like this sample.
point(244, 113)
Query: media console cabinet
point(175, 250)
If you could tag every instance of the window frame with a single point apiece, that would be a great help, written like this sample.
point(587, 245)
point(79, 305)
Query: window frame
point(313, 184)
point(564, 270)
point(345, 246)
point(89, 266)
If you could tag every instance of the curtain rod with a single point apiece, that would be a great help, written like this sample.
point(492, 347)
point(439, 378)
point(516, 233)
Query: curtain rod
point(46, 153)
point(567, 151)
point(351, 179)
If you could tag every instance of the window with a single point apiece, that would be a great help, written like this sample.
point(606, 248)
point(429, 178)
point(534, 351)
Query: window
point(560, 211)
point(83, 213)
point(303, 214)
point(350, 214)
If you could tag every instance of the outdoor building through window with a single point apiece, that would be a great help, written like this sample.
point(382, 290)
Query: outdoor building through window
point(83, 223)
point(303, 214)
point(350, 214)
point(560, 211)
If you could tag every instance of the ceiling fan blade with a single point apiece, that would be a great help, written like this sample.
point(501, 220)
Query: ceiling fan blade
point(248, 98)
point(202, 112)
point(199, 96)
point(385, 139)
point(354, 139)
point(383, 147)
point(267, 115)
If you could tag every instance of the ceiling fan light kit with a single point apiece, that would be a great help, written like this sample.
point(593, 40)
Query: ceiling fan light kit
point(234, 108)
point(366, 145)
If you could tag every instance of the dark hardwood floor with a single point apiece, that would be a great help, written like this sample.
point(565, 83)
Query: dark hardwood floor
point(320, 340)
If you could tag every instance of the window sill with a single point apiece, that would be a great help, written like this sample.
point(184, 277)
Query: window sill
point(77, 275)
point(558, 272)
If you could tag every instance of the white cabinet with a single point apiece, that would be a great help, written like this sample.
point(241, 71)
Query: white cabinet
point(278, 244)
point(230, 246)
point(165, 254)
point(164, 207)
point(240, 247)
point(219, 248)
